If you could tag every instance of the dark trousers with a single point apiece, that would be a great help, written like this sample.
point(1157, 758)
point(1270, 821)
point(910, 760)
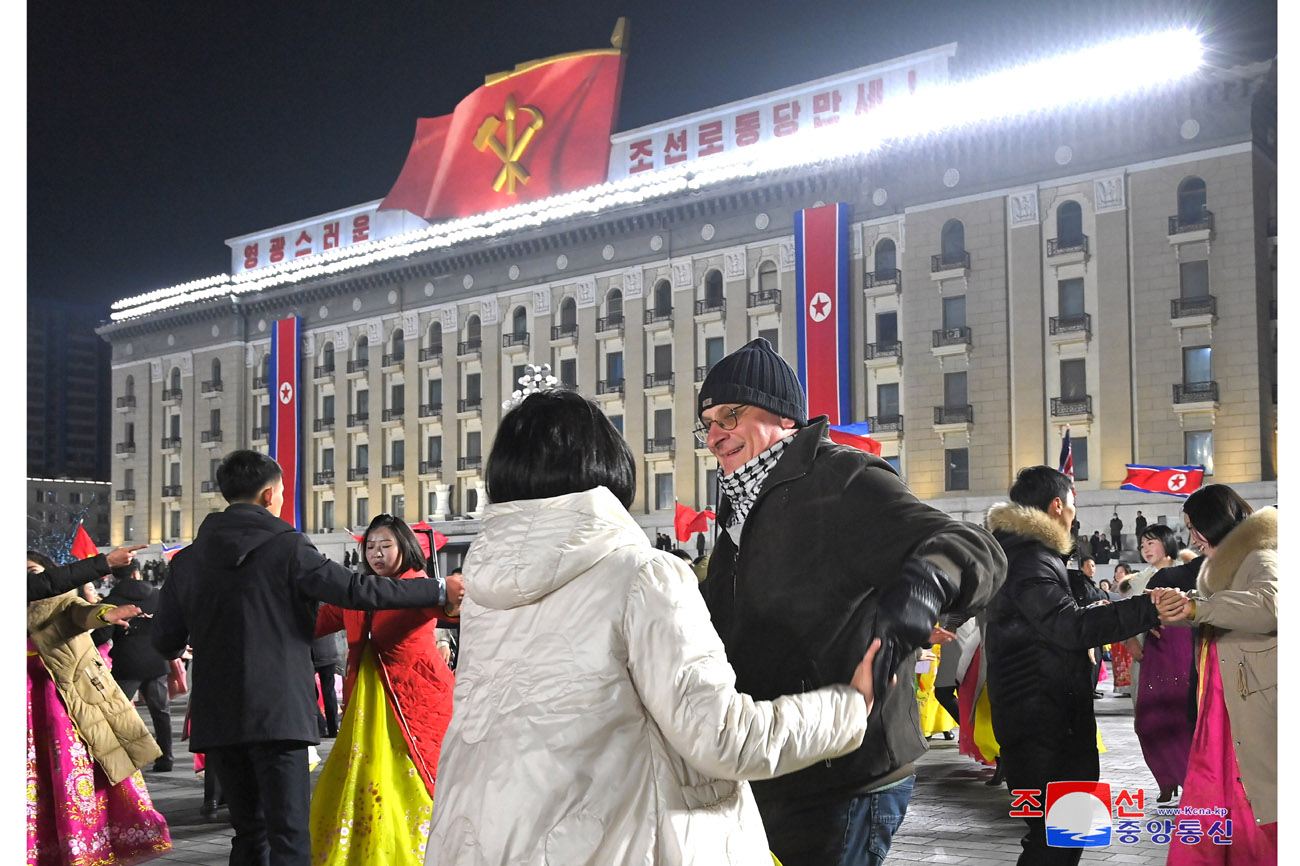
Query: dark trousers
point(947, 698)
point(160, 711)
point(1031, 765)
point(852, 832)
point(268, 792)
point(329, 700)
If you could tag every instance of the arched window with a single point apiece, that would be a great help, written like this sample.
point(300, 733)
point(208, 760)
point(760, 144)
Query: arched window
point(266, 367)
point(363, 347)
point(1192, 203)
point(176, 379)
point(663, 298)
point(614, 304)
point(216, 370)
point(519, 322)
point(129, 385)
point(713, 289)
point(435, 337)
point(767, 277)
point(568, 313)
point(399, 345)
point(473, 329)
point(327, 356)
point(1069, 224)
point(952, 243)
point(886, 258)
point(471, 499)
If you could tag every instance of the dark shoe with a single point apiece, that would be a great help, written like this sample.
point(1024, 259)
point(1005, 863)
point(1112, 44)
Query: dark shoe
point(949, 735)
point(161, 766)
point(997, 777)
point(1096, 695)
point(208, 809)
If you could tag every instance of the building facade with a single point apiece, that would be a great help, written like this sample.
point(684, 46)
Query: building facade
point(1110, 267)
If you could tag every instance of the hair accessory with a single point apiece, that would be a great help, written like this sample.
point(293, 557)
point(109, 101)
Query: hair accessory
point(534, 381)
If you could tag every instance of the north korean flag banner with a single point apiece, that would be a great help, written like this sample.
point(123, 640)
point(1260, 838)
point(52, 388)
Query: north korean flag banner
point(821, 265)
point(286, 432)
point(1169, 480)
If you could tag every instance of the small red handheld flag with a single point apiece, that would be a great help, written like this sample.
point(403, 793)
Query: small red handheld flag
point(82, 546)
point(687, 522)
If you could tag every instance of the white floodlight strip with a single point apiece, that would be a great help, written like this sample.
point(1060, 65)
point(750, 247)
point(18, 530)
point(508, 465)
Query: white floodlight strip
point(1115, 69)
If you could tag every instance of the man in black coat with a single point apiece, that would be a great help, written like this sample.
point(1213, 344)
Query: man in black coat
point(137, 664)
point(244, 595)
point(1039, 677)
point(49, 582)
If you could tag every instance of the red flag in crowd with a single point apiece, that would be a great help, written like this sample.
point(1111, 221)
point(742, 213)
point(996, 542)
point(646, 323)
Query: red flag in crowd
point(169, 552)
point(1170, 480)
point(525, 135)
point(855, 436)
point(688, 522)
point(82, 546)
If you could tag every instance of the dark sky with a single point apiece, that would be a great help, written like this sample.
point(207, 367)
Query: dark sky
point(156, 130)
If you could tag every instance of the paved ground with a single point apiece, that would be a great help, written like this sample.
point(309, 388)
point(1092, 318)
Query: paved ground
point(953, 818)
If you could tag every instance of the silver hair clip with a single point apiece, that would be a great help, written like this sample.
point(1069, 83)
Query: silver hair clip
point(534, 381)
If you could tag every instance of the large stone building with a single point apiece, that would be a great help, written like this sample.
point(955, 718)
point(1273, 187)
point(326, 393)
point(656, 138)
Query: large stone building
point(1109, 265)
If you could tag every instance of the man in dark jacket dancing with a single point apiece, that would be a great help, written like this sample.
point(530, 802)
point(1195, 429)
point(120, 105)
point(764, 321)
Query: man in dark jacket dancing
point(1040, 679)
point(872, 561)
point(244, 595)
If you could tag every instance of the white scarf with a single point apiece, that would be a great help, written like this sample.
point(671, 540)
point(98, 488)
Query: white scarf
point(742, 486)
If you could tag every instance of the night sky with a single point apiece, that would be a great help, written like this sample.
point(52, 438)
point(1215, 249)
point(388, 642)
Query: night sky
point(156, 130)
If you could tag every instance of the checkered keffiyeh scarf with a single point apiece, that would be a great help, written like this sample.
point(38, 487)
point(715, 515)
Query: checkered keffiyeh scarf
point(741, 487)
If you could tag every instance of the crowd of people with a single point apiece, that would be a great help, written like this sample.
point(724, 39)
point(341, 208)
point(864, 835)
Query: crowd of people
point(578, 695)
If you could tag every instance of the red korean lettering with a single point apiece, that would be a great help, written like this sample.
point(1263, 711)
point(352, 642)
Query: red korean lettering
point(361, 228)
point(302, 245)
point(870, 95)
point(826, 108)
point(330, 236)
point(251, 256)
point(1027, 801)
point(1129, 806)
point(748, 129)
point(675, 147)
point(710, 138)
point(277, 249)
point(642, 155)
point(785, 118)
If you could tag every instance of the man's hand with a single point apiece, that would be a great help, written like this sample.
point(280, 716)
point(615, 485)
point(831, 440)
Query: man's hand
point(941, 635)
point(455, 590)
point(120, 556)
point(1171, 604)
point(120, 614)
point(908, 612)
point(864, 678)
point(444, 650)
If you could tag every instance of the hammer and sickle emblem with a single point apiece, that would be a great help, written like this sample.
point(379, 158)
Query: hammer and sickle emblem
point(514, 146)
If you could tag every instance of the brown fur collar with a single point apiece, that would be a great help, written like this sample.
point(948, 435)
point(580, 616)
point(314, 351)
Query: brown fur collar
point(1023, 520)
point(1256, 532)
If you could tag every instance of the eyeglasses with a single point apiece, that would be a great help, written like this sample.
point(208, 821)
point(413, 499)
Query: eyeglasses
point(727, 420)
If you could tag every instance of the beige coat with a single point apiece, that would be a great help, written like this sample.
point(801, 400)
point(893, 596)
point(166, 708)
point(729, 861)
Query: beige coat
point(116, 737)
point(1237, 595)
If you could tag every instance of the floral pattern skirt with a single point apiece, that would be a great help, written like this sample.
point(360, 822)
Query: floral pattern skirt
point(74, 816)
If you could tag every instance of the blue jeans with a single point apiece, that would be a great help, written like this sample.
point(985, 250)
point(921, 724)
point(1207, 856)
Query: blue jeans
point(853, 832)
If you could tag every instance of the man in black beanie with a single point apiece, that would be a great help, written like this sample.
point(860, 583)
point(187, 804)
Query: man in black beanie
point(872, 561)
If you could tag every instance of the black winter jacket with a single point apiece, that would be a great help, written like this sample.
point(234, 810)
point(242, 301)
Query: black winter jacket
point(796, 604)
point(134, 655)
point(244, 595)
point(1039, 677)
point(58, 580)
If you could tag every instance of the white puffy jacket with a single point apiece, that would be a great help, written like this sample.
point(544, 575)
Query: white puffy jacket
point(595, 718)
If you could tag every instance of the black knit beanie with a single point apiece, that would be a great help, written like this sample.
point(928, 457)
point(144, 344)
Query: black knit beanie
point(755, 375)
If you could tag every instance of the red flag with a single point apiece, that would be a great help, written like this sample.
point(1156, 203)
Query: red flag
point(169, 552)
point(423, 532)
point(523, 136)
point(688, 522)
point(866, 443)
point(82, 546)
point(1170, 480)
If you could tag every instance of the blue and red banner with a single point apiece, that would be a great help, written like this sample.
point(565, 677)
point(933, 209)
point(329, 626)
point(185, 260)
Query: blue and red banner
point(855, 436)
point(286, 430)
point(1169, 480)
point(821, 265)
point(1067, 455)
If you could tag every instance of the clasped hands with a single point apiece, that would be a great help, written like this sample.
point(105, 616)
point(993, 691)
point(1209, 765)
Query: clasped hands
point(1172, 604)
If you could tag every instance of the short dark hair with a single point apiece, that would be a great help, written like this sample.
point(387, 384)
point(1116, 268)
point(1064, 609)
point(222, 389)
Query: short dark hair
point(243, 473)
point(558, 442)
point(1037, 486)
point(1128, 569)
point(1084, 559)
point(1215, 510)
point(409, 555)
point(1162, 534)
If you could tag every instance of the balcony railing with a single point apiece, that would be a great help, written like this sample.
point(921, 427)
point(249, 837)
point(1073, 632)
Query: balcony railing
point(1179, 224)
point(1070, 324)
point(323, 425)
point(358, 365)
point(1204, 305)
point(394, 414)
point(469, 404)
point(1072, 405)
point(1061, 246)
point(323, 370)
point(170, 490)
point(469, 347)
point(1196, 392)
point(950, 337)
point(393, 470)
point(655, 380)
point(517, 340)
point(325, 476)
point(701, 372)
point(474, 461)
point(392, 359)
point(359, 473)
point(886, 349)
point(953, 415)
point(209, 486)
point(210, 436)
point(171, 393)
point(428, 467)
point(125, 448)
point(885, 277)
point(169, 442)
point(711, 305)
point(609, 386)
point(763, 298)
point(127, 495)
point(949, 261)
point(211, 386)
point(127, 402)
point(432, 353)
point(660, 446)
point(652, 316)
point(356, 419)
point(885, 423)
point(259, 383)
point(610, 323)
point(430, 410)
point(564, 332)
point(260, 433)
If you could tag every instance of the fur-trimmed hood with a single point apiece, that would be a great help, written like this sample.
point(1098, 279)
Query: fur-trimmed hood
point(1256, 532)
point(1012, 519)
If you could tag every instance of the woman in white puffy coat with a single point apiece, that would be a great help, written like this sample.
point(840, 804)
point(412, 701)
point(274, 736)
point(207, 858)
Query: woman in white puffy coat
point(595, 718)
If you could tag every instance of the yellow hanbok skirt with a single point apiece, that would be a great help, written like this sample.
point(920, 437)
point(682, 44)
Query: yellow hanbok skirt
point(934, 718)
